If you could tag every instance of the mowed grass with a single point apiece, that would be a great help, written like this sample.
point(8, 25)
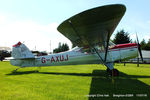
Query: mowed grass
point(75, 82)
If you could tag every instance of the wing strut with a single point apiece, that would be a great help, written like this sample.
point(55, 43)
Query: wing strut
point(108, 65)
point(99, 56)
point(107, 44)
point(75, 31)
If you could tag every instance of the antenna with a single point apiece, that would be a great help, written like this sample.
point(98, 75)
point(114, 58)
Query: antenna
point(50, 46)
point(35, 48)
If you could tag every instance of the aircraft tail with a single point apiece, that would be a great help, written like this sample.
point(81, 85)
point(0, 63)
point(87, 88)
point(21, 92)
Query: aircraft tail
point(20, 51)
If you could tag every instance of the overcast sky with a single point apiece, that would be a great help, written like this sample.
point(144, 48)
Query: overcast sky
point(35, 22)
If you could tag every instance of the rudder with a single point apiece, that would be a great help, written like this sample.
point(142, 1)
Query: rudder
point(20, 51)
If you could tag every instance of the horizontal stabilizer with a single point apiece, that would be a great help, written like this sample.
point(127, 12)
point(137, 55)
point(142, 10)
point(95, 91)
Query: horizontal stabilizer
point(12, 58)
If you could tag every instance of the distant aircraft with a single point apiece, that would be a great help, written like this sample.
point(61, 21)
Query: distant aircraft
point(90, 31)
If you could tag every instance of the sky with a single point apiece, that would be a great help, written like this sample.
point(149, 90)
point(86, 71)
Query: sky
point(35, 22)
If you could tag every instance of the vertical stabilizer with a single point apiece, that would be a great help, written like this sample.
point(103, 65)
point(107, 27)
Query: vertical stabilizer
point(20, 51)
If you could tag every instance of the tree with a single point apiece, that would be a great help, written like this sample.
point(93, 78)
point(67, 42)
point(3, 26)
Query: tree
point(143, 44)
point(147, 47)
point(61, 48)
point(122, 37)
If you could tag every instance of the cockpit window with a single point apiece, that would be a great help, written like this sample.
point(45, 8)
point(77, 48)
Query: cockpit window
point(111, 43)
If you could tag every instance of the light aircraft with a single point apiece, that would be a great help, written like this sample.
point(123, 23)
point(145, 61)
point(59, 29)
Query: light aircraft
point(90, 31)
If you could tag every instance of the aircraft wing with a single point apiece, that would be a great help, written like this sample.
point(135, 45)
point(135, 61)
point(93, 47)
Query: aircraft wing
point(93, 26)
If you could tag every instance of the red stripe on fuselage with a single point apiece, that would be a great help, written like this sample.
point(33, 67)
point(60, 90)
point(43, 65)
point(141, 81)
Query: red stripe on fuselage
point(121, 46)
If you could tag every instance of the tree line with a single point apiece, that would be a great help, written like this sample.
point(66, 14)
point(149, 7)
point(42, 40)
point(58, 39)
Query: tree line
point(121, 37)
point(61, 48)
point(145, 45)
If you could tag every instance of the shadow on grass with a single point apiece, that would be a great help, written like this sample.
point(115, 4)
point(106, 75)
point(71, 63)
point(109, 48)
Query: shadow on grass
point(56, 73)
point(126, 85)
point(97, 73)
point(102, 85)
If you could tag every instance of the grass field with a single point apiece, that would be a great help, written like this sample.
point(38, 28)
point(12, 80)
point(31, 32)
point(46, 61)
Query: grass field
point(78, 82)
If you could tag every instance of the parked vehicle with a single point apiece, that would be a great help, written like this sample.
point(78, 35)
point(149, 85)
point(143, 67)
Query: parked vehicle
point(3, 54)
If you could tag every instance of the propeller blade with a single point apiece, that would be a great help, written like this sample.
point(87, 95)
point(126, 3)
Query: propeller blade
point(139, 48)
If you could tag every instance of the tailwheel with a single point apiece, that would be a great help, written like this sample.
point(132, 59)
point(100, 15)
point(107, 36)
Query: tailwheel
point(15, 70)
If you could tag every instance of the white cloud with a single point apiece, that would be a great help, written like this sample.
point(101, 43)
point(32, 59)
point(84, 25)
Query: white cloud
point(2, 19)
point(146, 37)
point(32, 33)
point(133, 36)
point(148, 21)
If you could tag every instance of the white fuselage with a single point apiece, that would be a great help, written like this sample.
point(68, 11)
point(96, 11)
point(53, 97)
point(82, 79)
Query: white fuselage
point(77, 56)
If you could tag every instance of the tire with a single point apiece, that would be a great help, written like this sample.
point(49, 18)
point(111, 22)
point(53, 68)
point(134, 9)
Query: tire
point(115, 72)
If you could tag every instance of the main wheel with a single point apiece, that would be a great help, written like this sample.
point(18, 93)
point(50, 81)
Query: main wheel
point(114, 72)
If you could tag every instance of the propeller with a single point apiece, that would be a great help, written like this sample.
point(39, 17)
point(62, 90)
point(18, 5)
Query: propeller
point(139, 47)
